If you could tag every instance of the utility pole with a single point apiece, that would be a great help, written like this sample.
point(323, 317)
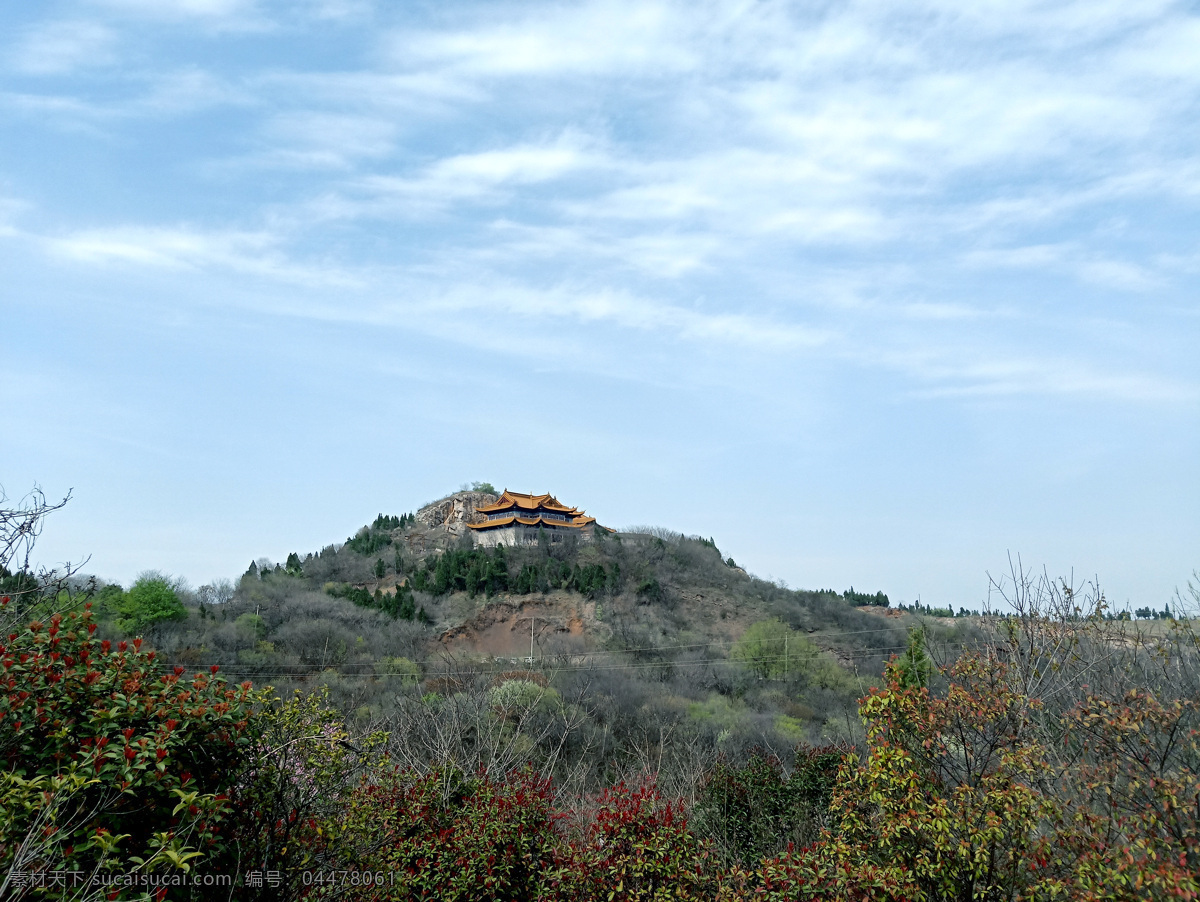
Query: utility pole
point(532, 622)
point(785, 660)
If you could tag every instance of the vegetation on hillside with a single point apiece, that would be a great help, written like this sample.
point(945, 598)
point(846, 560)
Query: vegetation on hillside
point(657, 673)
point(1050, 754)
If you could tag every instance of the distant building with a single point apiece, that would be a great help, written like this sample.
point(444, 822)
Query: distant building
point(518, 519)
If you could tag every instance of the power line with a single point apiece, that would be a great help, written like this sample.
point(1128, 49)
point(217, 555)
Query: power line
point(432, 670)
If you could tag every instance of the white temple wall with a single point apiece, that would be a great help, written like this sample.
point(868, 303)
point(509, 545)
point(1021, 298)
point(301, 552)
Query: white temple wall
point(523, 535)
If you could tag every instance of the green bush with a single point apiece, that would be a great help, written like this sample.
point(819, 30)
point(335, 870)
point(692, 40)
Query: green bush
point(756, 810)
point(522, 695)
point(772, 650)
point(252, 624)
point(443, 836)
point(650, 590)
point(402, 670)
point(109, 762)
point(149, 601)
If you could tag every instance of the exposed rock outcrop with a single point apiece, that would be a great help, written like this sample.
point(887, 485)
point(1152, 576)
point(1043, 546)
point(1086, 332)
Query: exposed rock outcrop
point(453, 512)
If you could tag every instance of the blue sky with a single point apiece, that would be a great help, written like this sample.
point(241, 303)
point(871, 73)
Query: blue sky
point(872, 293)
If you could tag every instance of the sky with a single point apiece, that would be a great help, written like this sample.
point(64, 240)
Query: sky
point(874, 294)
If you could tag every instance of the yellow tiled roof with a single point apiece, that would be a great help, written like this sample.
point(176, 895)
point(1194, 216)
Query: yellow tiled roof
point(519, 500)
point(536, 520)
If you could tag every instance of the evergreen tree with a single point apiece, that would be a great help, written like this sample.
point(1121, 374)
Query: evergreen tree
point(915, 667)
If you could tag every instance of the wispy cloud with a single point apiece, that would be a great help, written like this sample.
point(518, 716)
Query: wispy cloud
point(589, 39)
point(625, 310)
point(10, 209)
point(61, 47)
point(894, 257)
point(852, 159)
point(225, 14)
point(163, 94)
point(325, 140)
point(1007, 378)
point(184, 90)
point(1071, 257)
point(482, 176)
point(251, 253)
point(259, 254)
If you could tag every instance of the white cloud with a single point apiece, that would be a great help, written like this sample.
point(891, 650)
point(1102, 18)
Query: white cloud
point(184, 9)
point(474, 177)
point(251, 253)
point(1063, 378)
point(57, 107)
point(312, 139)
point(1121, 275)
point(1038, 255)
point(186, 90)
point(1071, 257)
point(1165, 53)
point(176, 248)
point(10, 209)
point(973, 371)
point(61, 47)
point(742, 197)
point(166, 93)
point(1052, 25)
point(423, 93)
point(589, 39)
point(339, 10)
point(523, 164)
point(585, 306)
point(925, 310)
point(666, 254)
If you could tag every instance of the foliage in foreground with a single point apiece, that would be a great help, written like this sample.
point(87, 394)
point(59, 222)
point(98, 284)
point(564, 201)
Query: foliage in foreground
point(110, 761)
point(956, 798)
point(1000, 777)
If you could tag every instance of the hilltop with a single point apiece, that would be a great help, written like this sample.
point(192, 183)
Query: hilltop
point(650, 588)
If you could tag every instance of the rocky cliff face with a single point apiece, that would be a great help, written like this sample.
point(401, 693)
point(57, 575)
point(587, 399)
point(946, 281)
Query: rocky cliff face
point(454, 512)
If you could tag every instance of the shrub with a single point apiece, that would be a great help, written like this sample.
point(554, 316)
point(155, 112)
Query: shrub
point(444, 836)
point(635, 847)
point(519, 695)
point(149, 601)
point(301, 769)
point(110, 763)
point(1141, 757)
point(770, 649)
point(649, 590)
point(252, 625)
point(755, 810)
point(946, 799)
point(399, 669)
point(957, 799)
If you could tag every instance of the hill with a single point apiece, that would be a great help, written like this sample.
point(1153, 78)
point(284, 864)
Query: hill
point(652, 641)
point(1058, 757)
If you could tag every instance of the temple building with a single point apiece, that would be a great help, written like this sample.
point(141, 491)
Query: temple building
point(518, 519)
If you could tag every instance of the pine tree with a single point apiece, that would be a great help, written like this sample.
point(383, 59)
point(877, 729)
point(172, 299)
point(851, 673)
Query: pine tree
point(915, 667)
